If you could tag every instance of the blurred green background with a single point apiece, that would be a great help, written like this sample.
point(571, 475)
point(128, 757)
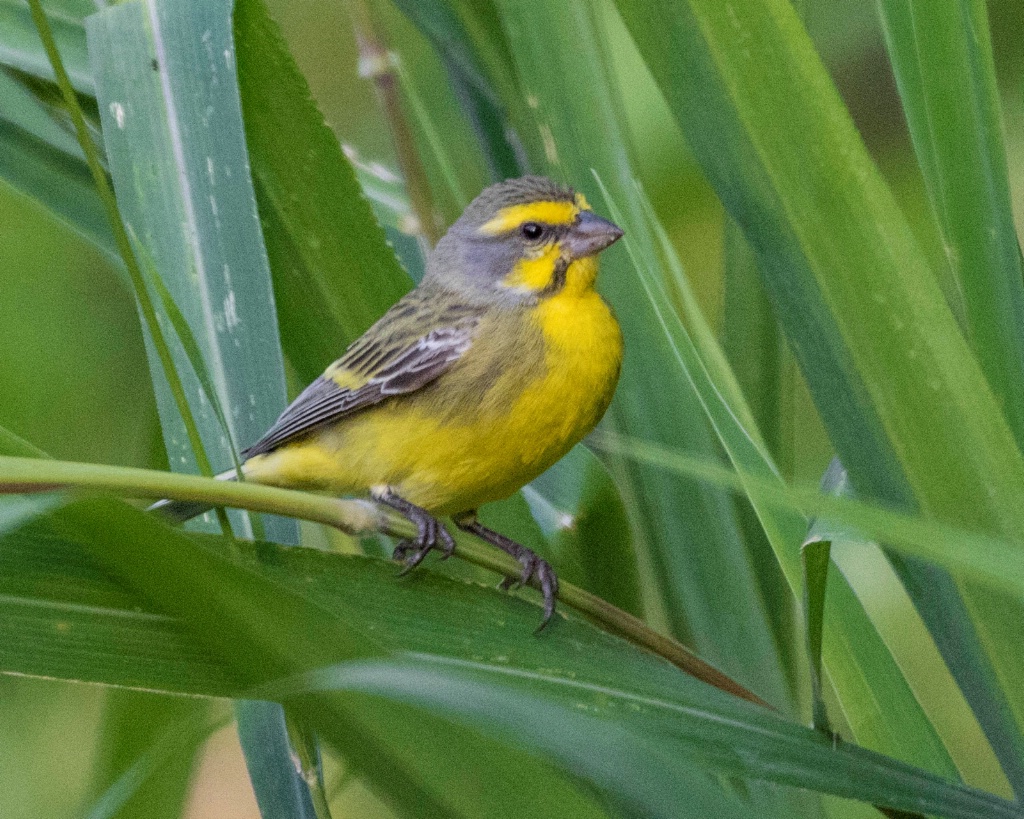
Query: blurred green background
point(73, 376)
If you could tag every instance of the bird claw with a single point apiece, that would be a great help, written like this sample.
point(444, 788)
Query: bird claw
point(431, 534)
point(533, 567)
point(537, 568)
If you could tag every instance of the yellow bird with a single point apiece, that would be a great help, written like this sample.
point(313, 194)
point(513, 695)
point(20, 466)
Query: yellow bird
point(471, 385)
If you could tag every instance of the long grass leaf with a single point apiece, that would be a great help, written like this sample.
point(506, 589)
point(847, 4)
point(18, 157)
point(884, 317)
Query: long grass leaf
point(194, 175)
point(441, 23)
point(992, 560)
point(190, 346)
point(334, 274)
point(853, 645)
point(114, 637)
point(613, 682)
point(770, 578)
point(20, 47)
point(166, 84)
point(946, 76)
point(472, 692)
point(120, 235)
point(944, 68)
point(145, 753)
point(906, 404)
point(41, 159)
point(691, 532)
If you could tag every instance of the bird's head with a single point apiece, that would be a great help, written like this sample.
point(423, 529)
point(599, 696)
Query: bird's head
point(523, 239)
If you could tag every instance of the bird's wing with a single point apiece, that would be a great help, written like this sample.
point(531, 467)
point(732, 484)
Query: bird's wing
point(390, 359)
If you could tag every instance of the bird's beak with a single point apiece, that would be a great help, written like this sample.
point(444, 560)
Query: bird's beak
point(590, 235)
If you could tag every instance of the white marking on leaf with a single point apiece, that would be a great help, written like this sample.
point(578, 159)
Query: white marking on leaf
point(118, 111)
point(231, 311)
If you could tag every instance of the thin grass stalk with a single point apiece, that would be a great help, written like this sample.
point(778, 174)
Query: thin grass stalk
point(352, 516)
point(376, 63)
point(124, 246)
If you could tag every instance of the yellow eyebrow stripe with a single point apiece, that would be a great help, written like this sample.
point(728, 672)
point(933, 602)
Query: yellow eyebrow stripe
point(548, 213)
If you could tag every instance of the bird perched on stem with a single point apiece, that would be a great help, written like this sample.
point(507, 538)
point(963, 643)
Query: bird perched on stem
point(471, 385)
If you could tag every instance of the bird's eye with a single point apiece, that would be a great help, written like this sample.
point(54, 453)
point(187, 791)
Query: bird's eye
point(532, 231)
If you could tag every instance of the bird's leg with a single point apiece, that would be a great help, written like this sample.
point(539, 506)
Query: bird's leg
point(533, 566)
point(430, 532)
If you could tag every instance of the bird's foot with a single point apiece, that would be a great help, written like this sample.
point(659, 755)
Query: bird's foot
point(431, 535)
point(534, 567)
point(430, 532)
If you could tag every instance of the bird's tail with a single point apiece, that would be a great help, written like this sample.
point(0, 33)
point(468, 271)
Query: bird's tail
point(178, 511)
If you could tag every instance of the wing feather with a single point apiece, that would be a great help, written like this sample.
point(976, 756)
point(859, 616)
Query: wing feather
point(404, 368)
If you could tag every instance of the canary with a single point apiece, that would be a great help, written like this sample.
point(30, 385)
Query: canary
point(472, 384)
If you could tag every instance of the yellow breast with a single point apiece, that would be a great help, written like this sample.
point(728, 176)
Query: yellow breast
point(530, 424)
point(583, 353)
point(473, 436)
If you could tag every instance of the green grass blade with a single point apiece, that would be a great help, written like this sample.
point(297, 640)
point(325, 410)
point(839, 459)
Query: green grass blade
point(906, 404)
point(769, 577)
point(368, 627)
point(690, 531)
point(147, 746)
point(169, 101)
point(506, 783)
point(861, 258)
point(178, 558)
point(114, 637)
point(535, 708)
point(334, 274)
point(265, 602)
point(23, 109)
point(59, 182)
point(40, 155)
point(194, 212)
point(50, 98)
point(190, 346)
point(868, 682)
point(118, 228)
point(755, 349)
point(967, 649)
point(441, 23)
point(20, 47)
point(993, 561)
point(943, 63)
point(273, 761)
point(754, 344)
point(945, 72)
point(816, 559)
point(66, 619)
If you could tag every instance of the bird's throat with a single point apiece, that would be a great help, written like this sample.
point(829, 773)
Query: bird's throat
point(548, 274)
point(580, 276)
